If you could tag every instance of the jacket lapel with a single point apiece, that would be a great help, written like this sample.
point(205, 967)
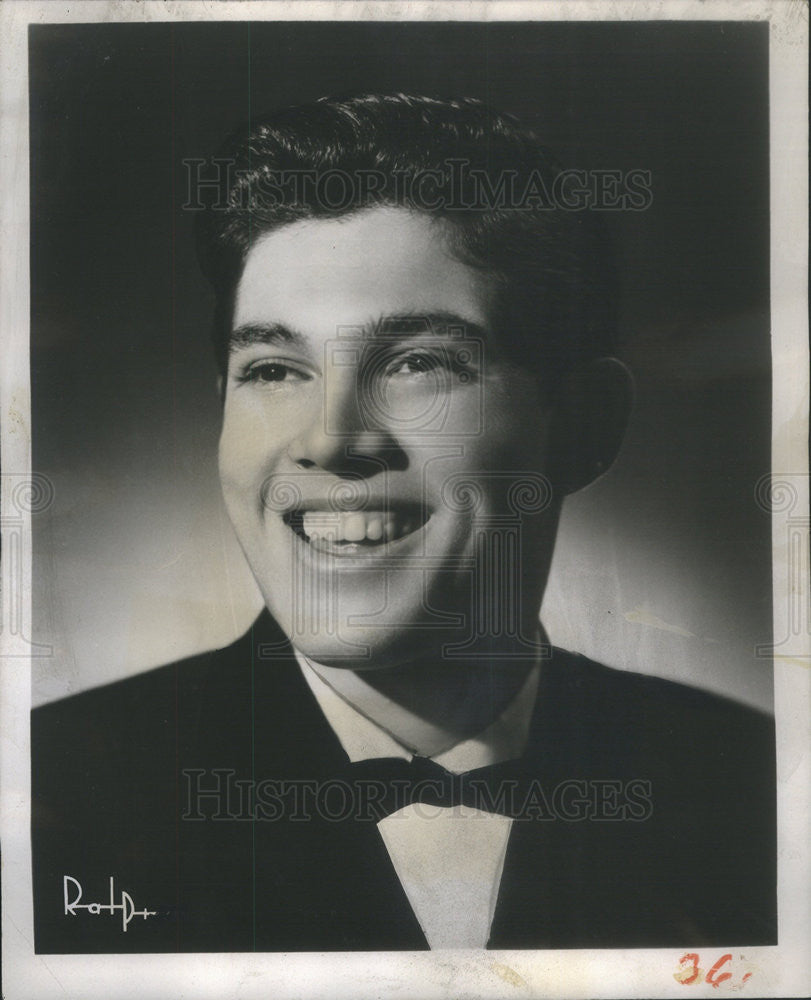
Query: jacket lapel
point(316, 873)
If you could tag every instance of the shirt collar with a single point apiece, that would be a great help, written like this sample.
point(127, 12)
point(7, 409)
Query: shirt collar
point(362, 739)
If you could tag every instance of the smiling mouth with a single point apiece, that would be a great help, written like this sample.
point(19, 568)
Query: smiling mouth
point(354, 532)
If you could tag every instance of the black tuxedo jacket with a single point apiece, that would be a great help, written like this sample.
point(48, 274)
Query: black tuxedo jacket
point(112, 771)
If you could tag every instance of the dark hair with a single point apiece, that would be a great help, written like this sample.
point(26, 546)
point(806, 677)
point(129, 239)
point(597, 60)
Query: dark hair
point(460, 160)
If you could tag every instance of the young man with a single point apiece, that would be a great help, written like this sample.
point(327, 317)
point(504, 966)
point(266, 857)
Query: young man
point(416, 347)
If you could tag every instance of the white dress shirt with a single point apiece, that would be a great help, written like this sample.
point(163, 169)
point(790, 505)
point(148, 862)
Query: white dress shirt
point(449, 859)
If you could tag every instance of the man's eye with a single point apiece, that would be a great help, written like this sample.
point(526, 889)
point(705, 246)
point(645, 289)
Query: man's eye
point(272, 373)
point(420, 363)
point(414, 364)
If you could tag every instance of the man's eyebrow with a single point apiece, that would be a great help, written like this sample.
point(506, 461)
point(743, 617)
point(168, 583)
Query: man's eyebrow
point(408, 324)
point(443, 324)
point(247, 334)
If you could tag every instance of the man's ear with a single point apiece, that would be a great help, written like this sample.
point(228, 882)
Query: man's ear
point(221, 388)
point(589, 418)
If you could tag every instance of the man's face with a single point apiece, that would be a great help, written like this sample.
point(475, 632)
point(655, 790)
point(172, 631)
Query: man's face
point(374, 445)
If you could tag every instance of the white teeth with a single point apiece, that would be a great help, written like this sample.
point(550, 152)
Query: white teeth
point(321, 524)
point(353, 527)
point(356, 526)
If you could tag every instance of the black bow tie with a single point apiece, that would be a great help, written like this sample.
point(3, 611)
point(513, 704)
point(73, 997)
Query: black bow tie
point(387, 784)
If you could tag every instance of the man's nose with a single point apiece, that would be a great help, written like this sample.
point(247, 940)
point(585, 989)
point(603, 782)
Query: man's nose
point(340, 437)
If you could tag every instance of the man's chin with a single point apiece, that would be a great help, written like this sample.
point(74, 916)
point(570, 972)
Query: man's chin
point(402, 632)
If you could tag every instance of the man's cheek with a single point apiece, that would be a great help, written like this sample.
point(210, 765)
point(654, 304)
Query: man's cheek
point(244, 452)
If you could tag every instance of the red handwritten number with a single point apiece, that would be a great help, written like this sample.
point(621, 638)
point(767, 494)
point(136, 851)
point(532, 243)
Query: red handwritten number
point(712, 976)
point(689, 957)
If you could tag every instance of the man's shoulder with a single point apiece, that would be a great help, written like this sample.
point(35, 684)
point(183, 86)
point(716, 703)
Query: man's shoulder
point(656, 782)
point(621, 714)
point(150, 698)
point(631, 690)
point(156, 696)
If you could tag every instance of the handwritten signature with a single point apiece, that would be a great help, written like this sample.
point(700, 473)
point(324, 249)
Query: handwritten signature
point(127, 906)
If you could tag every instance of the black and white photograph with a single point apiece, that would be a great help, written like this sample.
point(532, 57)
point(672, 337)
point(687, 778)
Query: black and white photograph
point(405, 500)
